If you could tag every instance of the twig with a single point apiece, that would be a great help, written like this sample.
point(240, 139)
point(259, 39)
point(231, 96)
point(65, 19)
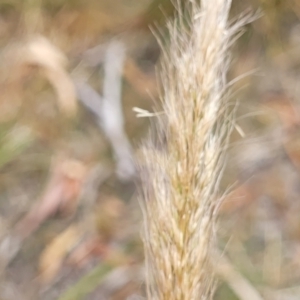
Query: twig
point(112, 116)
point(89, 98)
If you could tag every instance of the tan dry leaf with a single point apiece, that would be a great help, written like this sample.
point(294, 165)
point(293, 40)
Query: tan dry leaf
point(52, 257)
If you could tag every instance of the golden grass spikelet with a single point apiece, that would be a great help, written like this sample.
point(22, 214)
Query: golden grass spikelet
point(182, 166)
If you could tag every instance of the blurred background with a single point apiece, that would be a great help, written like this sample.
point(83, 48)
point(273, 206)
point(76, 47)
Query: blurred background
point(77, 88)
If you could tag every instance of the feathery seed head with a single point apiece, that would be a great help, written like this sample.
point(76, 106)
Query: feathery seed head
point(185, 161)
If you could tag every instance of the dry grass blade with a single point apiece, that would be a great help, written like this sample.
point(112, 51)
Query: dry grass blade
point(182, 166)
point(239, 284)
point(21, 58)
point(39, 51)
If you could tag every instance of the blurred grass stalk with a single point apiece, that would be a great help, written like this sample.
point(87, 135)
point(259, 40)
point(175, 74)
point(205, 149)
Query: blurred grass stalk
point(183, 164)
